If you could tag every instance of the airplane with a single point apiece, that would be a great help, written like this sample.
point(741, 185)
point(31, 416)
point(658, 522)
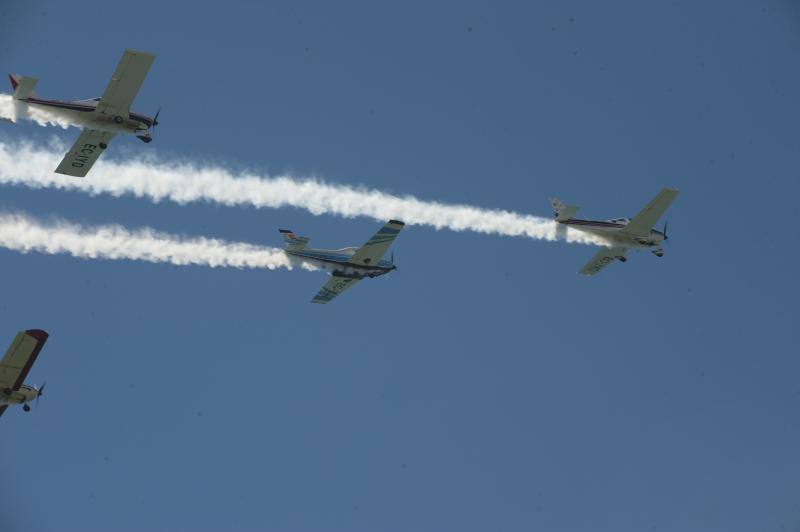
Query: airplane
point(102, 117)
point(14, 367)
point(622, 234)
point(347, 266)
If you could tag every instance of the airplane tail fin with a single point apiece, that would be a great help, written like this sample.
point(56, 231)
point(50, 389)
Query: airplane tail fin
point(563, 212)
point(293, 242)
point(23, 87)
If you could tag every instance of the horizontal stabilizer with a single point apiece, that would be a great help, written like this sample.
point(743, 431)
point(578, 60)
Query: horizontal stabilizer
point(562, 212)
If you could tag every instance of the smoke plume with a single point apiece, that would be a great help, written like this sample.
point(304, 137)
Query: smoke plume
point(23, 233)
point(158, 180)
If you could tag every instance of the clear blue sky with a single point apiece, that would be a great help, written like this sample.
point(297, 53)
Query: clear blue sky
point(486, 386)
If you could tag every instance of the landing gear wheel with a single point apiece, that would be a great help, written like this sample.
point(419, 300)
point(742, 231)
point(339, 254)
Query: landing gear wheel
point(623, 259)
point(103, 145)
point(118, 119)
point(26, 408)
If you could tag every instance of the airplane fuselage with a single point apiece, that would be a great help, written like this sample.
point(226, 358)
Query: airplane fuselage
point(336, 262)
point(611, 230)
point(84, 112)
point(25, 394)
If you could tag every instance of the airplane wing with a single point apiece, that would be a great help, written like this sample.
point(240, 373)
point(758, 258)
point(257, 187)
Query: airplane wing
point(375, 248)
point(603, 258)
point(84, 153)
point(642, 223)
point(125, 83)
point(335, 286)
point(19, 358)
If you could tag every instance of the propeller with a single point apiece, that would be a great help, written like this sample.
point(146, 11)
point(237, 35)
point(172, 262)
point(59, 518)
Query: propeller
point(155, 121)
point(666, 238)
point(39, 393)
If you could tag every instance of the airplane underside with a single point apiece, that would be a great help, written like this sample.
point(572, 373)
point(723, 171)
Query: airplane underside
point(18, 397)
point(615, 238)
point(344, 269)
point(93, 120)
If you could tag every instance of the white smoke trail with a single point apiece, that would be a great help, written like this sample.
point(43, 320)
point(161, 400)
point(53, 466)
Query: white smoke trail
point(12, 110)
point(157, 180)
point(21, 232)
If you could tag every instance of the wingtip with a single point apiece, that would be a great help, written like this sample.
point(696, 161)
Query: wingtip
point(140, 52)
point(13, 81)
point(284, 231)
point(397, 222)
point(38, 334)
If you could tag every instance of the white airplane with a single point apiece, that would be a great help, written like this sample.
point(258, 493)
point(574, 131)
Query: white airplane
point(622, 234)
point(15, 367)
point(101, 117)
point(347, 266)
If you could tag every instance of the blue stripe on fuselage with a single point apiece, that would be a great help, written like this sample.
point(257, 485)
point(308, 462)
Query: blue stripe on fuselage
point(339, 259)
point(330, 257)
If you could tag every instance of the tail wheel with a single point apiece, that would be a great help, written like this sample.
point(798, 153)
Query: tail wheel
point(26, 408)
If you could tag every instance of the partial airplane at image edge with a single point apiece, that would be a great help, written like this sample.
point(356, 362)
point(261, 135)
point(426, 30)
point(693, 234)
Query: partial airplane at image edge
point(14, 367)
point(347, 266)
point(622, 234)
point(101, 117)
